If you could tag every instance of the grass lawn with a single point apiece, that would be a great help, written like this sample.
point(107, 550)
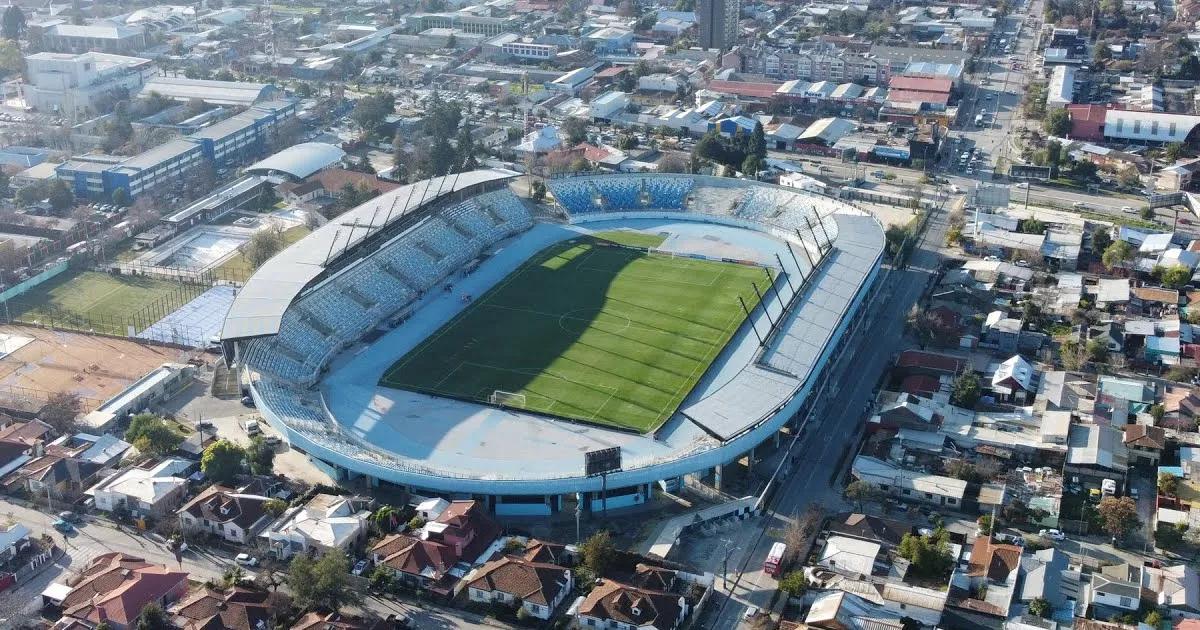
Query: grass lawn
point(631, 238)
point(238, 267)
point(598, 334)
point(91, 298)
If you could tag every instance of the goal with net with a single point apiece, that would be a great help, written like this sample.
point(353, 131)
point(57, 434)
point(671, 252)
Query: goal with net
point(502, 398)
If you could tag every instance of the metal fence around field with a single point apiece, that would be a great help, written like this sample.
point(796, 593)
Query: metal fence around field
point(131, 324)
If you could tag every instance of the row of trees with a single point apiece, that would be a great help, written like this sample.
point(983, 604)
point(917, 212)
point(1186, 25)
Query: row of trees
point(743, 151)
point(224, 460)
point(445, 145)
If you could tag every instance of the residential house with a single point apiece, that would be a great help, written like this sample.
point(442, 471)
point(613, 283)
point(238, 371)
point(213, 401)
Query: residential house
point(424, 564)
point(612, 605)
point(234, 609)
point(1096, 452)
point(1176, 588)
point(1117, 588)
point(147, 490)
point(886, 532)
point(104, 450)
point(1014, 381)
point(52, 476)
point(538, 587)
point(14, 537)
point(840, 610)
point(465, 526)
point(220, 511)
point(115, 587)
point(989, 583)
point(850, 555)
point(1046, 574)
point(910, 485)
point(326, 522)
point(1145, 443)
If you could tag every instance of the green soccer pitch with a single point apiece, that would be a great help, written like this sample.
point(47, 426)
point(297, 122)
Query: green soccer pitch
point(600, 334)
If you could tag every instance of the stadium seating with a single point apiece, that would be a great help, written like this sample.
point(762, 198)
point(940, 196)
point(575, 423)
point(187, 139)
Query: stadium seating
point(329, 317)
point(622, 193)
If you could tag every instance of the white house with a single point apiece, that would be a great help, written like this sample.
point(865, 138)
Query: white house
point(144, 491)
point(326, 522)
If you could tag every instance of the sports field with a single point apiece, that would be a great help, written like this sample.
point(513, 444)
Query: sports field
point(595, 333)
point(92, 300)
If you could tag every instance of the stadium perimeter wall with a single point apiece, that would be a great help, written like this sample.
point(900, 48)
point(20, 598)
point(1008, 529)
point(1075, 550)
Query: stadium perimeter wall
point(415, 476)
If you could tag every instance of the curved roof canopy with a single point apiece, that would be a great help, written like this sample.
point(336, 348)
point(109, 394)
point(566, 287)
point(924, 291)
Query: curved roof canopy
point(299, 160)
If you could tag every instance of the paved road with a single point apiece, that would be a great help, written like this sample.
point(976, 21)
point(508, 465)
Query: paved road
point(827, 442)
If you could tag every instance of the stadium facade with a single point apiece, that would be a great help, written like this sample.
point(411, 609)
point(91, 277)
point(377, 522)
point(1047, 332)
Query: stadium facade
point(317, 325)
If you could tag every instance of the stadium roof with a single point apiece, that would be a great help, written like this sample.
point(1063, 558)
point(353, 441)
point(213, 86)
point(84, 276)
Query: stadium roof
point(259, 306)
point(215, 92)
point(299, 160)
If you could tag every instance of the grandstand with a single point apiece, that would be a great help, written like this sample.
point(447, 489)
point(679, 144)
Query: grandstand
point(319, 325)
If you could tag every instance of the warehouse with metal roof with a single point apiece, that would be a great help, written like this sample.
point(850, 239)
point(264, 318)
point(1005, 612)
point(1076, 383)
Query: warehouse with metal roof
point(239, 93)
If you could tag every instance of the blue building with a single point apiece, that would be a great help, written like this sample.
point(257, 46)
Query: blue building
point(228, 143)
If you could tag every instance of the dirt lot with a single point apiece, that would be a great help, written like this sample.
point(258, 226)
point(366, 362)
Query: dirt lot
point(94, 368)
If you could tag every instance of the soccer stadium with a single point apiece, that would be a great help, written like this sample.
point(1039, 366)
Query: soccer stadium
point(454, 337)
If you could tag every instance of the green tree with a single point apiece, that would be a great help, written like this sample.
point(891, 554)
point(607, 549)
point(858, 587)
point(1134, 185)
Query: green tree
point(1116, 254)
point(574, 129)
point(966, 391)
point(370, 111)
point(861, 491)
point(929, 555)
point(1154, 619)
point(1057, 123)
point(385, 519)
point(985, 524)
point(758, 143)
point(1173, 151)
point(262, 246)
point(153, 617)
point(794, 583)
point(1168, 484)
point(598, 552)
point(751, 166)
point(260, 456)
point(275, 507)
point(151, 435)
point(1032, 226)
point(381, 578)
point(222, 461)
point(1174, 276)
point(1118, 516)
point(1040, 607)
point(121, 197)
point(13, 22)
point(60, 195)
point(322, 583)
point(1097, 351)
point(11, 61)
point(1101, 239)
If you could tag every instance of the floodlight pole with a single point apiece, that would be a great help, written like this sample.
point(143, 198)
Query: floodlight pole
point(804, 249)
point(766, 311)
point(751, 320)
point(786, 276)
point(775, 285)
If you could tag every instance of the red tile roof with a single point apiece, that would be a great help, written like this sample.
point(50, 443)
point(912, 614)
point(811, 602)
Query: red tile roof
point(930, 361)
point(1087, 113)
point(116, 586)
point(745, 88)
point(209, 609)
point(920, 385)
point(916, 96)
point(427, 558)
point(992, 559)
point(537, 582)
point(934, 85)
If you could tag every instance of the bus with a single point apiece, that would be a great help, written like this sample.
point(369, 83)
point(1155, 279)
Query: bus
point(774, 559)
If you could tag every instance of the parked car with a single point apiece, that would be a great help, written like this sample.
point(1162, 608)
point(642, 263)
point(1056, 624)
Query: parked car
point(69, 516)
point(750, 613)
point(1128, 210)
point(1052, 534)
point(272, 440)
point(359, 567)
point(63, 526)
point(1133, 493)
point(246, 560)
point(247, 401)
